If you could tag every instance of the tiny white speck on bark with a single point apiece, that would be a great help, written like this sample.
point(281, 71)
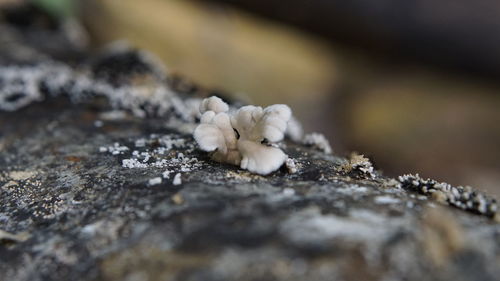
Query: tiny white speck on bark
point(177, 179)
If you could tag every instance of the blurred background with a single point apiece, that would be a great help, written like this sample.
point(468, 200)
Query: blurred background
point(411, 84)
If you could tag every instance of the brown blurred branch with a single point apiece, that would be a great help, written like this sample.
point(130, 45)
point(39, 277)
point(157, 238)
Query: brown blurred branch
point(459, 34)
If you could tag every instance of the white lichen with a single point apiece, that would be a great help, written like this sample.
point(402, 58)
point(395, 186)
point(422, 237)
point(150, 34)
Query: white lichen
point(243, 137)
point(166, 174)
point(133, 163)
point(154, 181)
point(464, 198)
point(26, 84)
point(157, 151)
point(115, 149)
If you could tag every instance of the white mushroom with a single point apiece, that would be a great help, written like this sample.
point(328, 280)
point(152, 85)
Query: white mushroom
point(214, 104)
point(259, 158)
point(255, 124)
point(242, 137)
point(215, 134)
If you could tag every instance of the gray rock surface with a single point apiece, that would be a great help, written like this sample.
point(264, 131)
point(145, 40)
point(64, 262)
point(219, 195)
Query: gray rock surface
point(102, 181)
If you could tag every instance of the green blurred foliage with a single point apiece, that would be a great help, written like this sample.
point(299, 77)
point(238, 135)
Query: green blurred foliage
point(60, 9)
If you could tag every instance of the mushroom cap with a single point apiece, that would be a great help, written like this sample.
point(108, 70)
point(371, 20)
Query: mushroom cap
point(214, 104)
point(260, 159)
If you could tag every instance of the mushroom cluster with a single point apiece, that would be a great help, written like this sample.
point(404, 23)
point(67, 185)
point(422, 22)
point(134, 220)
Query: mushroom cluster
point(244, 137)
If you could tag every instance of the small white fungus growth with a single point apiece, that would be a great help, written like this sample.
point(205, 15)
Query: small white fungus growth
point(291, 166)
point(214, 104)
point(241, 137)
point(216, 134)
point(166, 174)
point(294, 130)
point(319, 141)
point(154, 181)
point(177, 179)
